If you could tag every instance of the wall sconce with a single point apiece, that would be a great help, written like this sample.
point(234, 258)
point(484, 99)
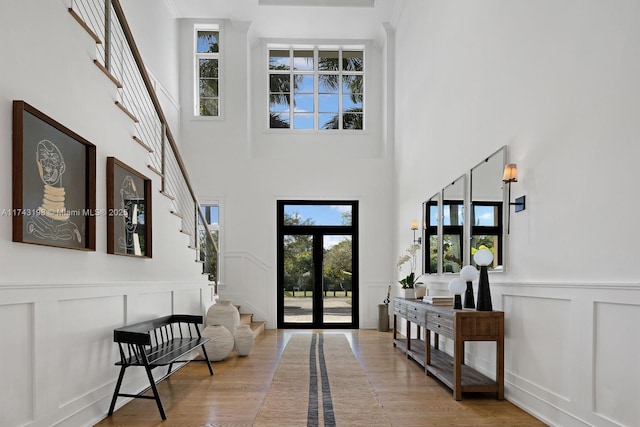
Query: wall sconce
point(414, 227)
point(511, 175)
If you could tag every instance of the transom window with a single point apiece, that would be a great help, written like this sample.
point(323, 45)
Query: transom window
point(316, 88)
point(207, 65)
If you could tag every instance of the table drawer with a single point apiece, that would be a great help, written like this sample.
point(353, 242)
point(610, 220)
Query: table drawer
point(400, 308)
point(440, 324)
point(417, 316)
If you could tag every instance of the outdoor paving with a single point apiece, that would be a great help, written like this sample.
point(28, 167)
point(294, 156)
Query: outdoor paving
point(299, 309)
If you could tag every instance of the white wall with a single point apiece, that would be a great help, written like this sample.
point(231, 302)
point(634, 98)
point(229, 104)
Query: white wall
point(237, 161)
point(58, 307)
point(557, 83)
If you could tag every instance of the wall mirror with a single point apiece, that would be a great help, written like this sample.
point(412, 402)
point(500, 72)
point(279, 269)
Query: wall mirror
point(487, 207)
point(430, 235)
point(453, 249)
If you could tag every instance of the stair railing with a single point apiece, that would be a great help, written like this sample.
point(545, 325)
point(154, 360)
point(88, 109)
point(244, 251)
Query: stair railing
point(119, 58)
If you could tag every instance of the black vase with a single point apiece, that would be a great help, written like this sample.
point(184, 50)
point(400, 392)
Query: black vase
point(469, 301)
point(484, 293)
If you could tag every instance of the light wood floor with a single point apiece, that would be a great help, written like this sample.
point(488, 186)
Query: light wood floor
point(232, 397)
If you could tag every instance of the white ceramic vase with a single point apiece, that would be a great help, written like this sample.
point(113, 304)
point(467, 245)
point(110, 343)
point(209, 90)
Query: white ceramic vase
point(223, 313)
point(243, 337)
point(221, 342)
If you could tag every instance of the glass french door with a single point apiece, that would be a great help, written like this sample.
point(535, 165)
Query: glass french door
point(317, 265)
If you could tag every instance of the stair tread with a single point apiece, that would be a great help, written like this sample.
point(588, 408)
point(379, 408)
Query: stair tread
point(257, 326)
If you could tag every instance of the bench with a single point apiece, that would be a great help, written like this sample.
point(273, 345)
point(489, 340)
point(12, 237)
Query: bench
point(157, 342)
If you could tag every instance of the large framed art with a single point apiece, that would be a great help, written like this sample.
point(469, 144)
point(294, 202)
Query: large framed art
point(128, 211)
point(54, 182)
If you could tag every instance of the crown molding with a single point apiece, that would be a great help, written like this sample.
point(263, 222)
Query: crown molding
point(318, 3)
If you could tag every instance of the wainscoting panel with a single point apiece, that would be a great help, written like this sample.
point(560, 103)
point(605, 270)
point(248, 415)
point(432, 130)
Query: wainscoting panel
point(187, 301)
point(16, 363)
point(57, 356)
point(375, 294)
point(541, 329)
point(248, 283)
point(152, 305)
point(615, 390)
point(86, 348)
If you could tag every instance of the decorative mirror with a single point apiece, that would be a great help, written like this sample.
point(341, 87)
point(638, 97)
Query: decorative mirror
point(453, 250)
point(430, 235)
point(487, 207)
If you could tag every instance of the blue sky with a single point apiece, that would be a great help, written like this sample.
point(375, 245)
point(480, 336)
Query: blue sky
point(320, 214)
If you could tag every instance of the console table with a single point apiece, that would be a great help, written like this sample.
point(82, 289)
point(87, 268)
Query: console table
point(460, 326)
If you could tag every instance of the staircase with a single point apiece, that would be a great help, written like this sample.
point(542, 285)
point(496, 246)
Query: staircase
point(257, 326)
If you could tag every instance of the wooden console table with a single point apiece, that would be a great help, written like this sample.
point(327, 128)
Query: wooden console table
point(460, 326)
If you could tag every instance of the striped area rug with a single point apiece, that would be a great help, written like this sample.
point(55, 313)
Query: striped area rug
point(319, 382)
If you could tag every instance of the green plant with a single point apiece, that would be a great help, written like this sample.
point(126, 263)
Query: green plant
point(409, 257)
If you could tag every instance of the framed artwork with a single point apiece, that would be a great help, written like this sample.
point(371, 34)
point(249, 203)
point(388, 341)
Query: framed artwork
point(54, 182)
point(128, 211)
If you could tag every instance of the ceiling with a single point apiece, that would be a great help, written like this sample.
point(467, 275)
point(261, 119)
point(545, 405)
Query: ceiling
point(329, 19)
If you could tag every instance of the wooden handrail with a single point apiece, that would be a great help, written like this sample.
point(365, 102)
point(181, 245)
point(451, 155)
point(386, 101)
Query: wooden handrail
point(117, 8)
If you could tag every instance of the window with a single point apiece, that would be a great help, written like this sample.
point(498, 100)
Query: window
point(316, 88)
point(430, 226)
point(452, 241)
point(208, 255)
point(207, 66)
point(486, 231)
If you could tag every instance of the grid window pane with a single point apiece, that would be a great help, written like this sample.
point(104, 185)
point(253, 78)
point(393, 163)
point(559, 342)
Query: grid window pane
point(209, 88)
point(453, 214)
point(329, 83)
point(279, 60)
point(328, 104)
point(328, 121)
point(328, 60)
point(278, 121)
point(486, 216)
point(303, 60)
point(433, 215)
point(209, 107)
point(303, 83)
point(486, 241)
point(208, 68)
point(352, 84)
point(352, 121)
point(351, 103)
point(279, 83)
point(352, 60)
point(338, 94)
point(279, 103)
point(303, 103)
point(433, 254)
point(303, 121)
point(208, 42)
point(452, 253)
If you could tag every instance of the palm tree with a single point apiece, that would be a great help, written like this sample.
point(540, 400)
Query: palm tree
point(280, 90)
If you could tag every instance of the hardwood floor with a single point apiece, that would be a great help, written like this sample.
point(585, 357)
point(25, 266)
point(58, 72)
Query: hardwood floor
point(232, 397)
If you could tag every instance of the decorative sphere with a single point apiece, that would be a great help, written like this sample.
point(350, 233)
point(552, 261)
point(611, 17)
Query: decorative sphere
point(457, 286)
point(483, 257)
point(469, 273)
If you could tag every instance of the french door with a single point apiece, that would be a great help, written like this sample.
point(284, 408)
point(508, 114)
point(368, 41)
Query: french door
point(317, 264)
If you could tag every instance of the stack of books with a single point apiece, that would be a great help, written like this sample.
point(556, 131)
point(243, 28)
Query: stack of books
point(438, 300)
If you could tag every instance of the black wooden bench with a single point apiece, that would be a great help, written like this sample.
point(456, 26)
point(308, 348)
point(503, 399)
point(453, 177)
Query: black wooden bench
point(157, 342)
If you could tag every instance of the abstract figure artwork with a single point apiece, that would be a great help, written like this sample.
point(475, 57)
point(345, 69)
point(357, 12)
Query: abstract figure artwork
point(53, 182)
point(129, 209)
point(53, 220)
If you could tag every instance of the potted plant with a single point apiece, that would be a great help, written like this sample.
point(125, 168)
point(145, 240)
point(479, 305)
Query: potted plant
point(410, 280)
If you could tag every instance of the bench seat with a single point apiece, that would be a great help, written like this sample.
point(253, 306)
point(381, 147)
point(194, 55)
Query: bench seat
point(157, 342)
point(166, 353)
